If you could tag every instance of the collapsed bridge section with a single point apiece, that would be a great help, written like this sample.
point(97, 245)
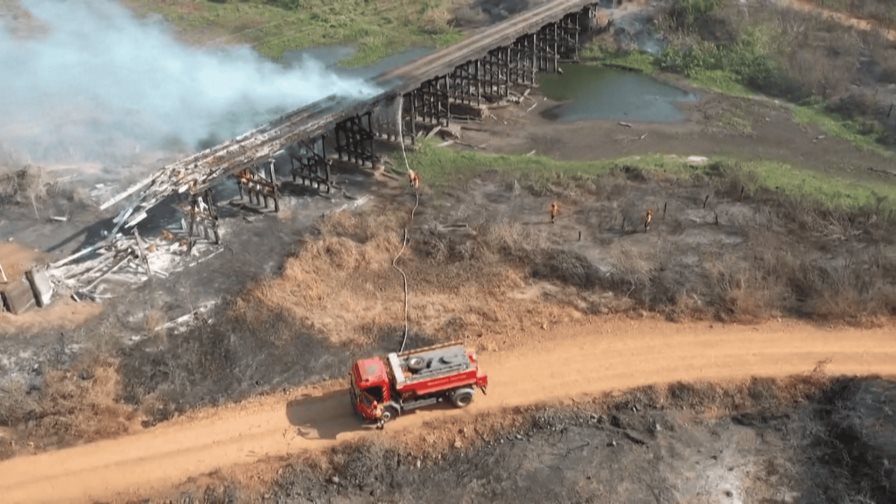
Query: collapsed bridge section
point(484, 68)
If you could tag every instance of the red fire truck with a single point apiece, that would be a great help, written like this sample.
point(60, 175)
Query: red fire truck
point(383, 388)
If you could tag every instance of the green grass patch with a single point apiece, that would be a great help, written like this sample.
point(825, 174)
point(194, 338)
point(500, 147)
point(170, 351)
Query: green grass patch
point(828, 191)
point(720, 81)
point(442, 165)
point(377, 29)
point(837, 127)
point(734, 121)
point(629, 60)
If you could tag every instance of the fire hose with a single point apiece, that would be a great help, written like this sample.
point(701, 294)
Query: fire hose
point(404, 240)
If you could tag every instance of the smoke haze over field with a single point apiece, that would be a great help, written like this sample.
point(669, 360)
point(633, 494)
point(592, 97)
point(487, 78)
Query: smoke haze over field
point(94, 83)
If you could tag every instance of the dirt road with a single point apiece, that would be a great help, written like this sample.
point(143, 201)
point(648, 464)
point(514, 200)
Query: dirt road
point(841, 17)
point(563, 362)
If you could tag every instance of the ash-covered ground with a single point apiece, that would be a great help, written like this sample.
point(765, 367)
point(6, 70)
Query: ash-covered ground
point(291, 299)
point(484, 264)
point(801, 440)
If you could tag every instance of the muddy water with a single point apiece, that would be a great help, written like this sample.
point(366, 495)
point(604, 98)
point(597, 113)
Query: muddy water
point(592, 92)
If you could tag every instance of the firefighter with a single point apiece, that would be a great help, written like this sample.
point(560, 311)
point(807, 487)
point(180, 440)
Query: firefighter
point(555, 211)
point(414, 180)
point(378, 412)
point(648, 218)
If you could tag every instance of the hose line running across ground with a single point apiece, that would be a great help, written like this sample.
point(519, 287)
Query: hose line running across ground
point(404, 240)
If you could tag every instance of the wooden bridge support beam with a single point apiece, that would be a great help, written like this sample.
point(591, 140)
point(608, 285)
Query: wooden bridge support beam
point(522, 59)
point(260, 185)
point(569, 37)
point(409, 116)
point(310, 166)
point(203, 213)
point(547, 40)
point(496, 73)
point(432, 101)
point(465, 85)
point(354, 139)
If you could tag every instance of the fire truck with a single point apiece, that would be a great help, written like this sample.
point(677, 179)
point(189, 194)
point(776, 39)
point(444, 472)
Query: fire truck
point(384, 387)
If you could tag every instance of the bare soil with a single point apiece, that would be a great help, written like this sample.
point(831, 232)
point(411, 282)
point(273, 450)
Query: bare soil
point(742, 128)
point(566, 363)
point(281, 322)
point(295, 298)
point(799, 440)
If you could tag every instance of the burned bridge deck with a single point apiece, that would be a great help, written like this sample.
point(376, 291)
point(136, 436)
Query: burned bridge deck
point(488, 54)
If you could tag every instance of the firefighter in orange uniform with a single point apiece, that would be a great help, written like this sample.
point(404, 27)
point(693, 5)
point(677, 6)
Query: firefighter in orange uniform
point(414, 180)
point(378, 411)
point(555, 211)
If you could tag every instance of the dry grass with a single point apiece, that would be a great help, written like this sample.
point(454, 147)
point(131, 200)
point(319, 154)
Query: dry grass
point(343, 286)
point(770, 256)
point(75, 405)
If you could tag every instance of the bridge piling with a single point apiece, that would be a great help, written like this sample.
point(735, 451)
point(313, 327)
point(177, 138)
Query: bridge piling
point(354, 139)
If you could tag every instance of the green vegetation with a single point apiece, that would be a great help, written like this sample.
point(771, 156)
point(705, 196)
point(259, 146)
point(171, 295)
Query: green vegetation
point(629, 60)
point(442, 165)
point(273, 27)
point(838, 127)
point(716, 49)
point(735, 121)
point(439, 165)
point(814, 66)
point(882, 11)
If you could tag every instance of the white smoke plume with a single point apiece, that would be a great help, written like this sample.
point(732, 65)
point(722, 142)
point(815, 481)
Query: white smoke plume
point(95, 83)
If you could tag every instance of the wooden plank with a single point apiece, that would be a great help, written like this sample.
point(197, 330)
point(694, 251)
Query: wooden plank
point(18, 297)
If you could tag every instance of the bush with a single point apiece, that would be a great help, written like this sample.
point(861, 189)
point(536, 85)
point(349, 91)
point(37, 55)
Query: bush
point(686, 15)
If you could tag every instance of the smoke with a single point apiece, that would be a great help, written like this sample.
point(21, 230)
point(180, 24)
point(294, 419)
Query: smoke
point(94, 83)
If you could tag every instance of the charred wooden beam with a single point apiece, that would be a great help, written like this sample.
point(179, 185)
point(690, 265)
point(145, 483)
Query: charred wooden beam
point(547, 45)
point(569, 31)
point(309, 164)
point(496, 74)
point(203, 219)
point(524, 54)
point(433, 100)
point(354, 139)
point(409, 116)
point(465, 85)
point(260, 185)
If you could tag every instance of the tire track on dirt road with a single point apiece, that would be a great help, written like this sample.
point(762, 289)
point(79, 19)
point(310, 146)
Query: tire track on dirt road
point(558, 364)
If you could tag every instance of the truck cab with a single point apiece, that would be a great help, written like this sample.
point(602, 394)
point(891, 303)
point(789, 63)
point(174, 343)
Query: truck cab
point(382, 388)
point(370, 388)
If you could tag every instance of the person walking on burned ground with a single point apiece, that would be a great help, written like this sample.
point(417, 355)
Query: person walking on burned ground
point(414, 180)
point(554, 211)
point(648, 218)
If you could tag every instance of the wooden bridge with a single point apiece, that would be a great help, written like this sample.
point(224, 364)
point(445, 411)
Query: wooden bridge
point(481, 69)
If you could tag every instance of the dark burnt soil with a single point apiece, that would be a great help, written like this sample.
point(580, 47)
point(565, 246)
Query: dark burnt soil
point(778, 442)
point(766, 257)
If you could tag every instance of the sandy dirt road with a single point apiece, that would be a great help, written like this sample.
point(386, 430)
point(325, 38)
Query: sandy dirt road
point(562, 363)
point(841, 17)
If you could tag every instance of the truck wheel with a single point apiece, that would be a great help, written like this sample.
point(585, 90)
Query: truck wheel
point(389, 413)
point(462, 397)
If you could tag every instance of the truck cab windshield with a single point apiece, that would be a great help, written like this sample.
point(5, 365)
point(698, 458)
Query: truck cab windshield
point(375, 393)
